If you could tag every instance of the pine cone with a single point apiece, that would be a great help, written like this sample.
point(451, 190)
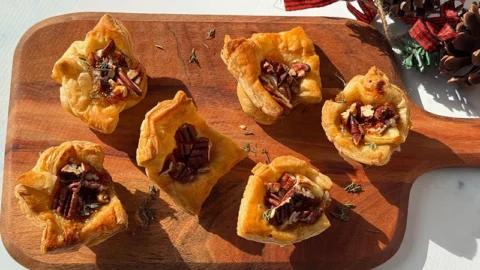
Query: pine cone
point(461, 58)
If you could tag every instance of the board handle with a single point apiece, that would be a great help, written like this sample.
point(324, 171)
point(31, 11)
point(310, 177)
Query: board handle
point(446, 141)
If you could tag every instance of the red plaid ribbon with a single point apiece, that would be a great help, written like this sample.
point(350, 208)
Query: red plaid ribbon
point(426, 34)
point(368, 14)
point(304, 4)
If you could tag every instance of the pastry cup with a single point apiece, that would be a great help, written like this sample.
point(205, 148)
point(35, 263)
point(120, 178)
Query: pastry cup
point(75, 75)
point(35, 194)
point(376, 150)
point(157, 142)
point(251, 223)
point(244, 56)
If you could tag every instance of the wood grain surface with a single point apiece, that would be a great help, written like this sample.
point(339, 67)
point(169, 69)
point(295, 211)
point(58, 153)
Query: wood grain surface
point(178, 240)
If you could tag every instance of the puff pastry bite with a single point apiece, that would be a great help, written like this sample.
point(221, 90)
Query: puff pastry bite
point(70, 194)
point(100, 76)
point(284, 202)
point(275, 72)
point(368, 120)
point(182, 154)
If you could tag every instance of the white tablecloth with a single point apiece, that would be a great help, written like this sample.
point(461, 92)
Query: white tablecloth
point(443, 228)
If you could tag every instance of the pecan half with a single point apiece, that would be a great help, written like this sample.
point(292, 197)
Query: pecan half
point(191, 156)
point(109, 48)
point(356, 130)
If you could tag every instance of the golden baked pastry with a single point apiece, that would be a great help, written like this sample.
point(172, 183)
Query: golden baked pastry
point(182, 154)
point(275, 72)
point(368, 120)
point(284, 202)
point(100, 76)
point(70, 194)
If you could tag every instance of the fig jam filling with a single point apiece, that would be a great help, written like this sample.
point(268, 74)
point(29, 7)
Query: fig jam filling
point(113, 78)
point(289, 203)
point(191, 157)
point(282, 81)
point(81, 192)
point(360, 119)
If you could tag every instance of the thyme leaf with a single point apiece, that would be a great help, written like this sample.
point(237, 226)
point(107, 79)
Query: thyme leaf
point(193, 58)
point(246, 148)
point(353, 188)
point(160, 47)
point(211, 34)
point(248, 133)
point(340, 99)
point(372, 145)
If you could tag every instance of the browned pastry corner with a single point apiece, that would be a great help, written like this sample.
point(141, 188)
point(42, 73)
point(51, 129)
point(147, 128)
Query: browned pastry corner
point(275, 72)
point(284, 202)
point(100, 76)
point(182, 154)
point(368, 120)
point(70, 194)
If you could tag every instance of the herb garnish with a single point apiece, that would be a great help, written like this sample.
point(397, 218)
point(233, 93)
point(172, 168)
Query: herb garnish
point(343, 212)
point(211, 34)
point(353, 188)
point(193, 58)
point(372, 145)
point(248, 133)
point(85, 63)
point(340, 78)
point(267, 155)
point(88, 209)
point(160, 47)
point(247, 148)
point(206, 46)
point(145, 215)
point(340, 99)
point(93, 94)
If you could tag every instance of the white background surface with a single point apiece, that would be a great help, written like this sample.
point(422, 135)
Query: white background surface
point(443, 228)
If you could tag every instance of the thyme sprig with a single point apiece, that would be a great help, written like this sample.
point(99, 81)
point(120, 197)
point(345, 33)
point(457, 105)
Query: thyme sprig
point(353, 188)
point(267, 155)
point(343, 214)
point(144, 215)
point(249, 149)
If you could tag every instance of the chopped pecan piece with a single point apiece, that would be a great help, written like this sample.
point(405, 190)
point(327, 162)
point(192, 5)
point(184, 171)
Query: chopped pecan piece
point(360, 119)
point(80, 187)
point(281, 81)
point(128, 83)
point(289, 203)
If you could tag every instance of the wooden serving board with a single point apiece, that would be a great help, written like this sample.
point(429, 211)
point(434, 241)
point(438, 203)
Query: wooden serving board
point(178, 240)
